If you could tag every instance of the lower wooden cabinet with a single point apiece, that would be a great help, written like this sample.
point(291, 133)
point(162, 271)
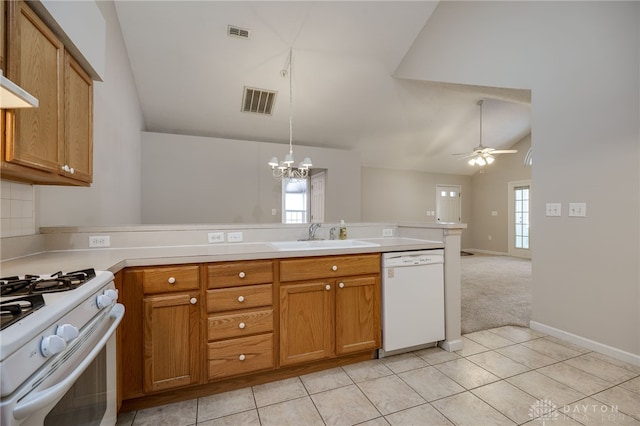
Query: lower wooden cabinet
point(306, 322)
point(240, 318)
point(232, 357)
point(160, 339)
point(172, 349)
point(358, 325)
point(324, 318)
point(216, 325)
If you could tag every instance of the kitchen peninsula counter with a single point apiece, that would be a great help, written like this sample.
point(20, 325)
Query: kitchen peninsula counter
point(67, 249)
point(116, 259)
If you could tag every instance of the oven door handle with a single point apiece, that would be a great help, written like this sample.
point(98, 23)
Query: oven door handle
point(39, 400)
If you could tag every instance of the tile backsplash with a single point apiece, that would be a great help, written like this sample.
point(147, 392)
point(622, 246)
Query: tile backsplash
point(17, 209)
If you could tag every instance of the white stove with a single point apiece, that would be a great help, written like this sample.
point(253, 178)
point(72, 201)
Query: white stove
point(54, 329)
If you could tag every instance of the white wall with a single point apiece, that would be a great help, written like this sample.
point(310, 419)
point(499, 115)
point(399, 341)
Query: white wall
point(581, 61)
point(191, 179)
point(114, 196)
point(489, 192)
point(406, 196)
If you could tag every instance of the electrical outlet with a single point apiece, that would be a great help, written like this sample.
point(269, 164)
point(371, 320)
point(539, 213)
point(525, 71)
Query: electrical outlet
point(100, 241)
point(273, 212)
point(554, 209)
point(234, 237)
point(215, 237)
point(578, 209)
point(387, 232)
point(494, 213)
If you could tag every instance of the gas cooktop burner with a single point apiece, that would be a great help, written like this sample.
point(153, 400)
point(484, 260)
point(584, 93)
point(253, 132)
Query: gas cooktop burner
point(35, 284)
point(14, 310)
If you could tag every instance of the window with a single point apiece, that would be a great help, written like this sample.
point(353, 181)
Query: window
point(521, 217)
point(295, 200)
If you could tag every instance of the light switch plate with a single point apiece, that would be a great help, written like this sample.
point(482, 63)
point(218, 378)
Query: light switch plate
point(554, 209)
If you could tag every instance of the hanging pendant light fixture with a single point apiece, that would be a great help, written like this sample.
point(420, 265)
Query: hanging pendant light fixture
point(482, 157)
point(285, 169)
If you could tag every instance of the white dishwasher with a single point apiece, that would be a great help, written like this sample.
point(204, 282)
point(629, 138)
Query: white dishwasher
point(412, 300)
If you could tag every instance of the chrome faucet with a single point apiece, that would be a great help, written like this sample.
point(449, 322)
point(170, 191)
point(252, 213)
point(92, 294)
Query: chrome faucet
point(312, 230)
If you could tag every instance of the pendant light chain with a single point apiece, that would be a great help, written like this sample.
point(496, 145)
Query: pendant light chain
point(285, 169)
point(291, 101)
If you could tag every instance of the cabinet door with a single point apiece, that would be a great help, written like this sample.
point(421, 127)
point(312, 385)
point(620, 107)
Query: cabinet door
point(306, 322)
point(172, 350)
point(78, 123)
point(357, 314)
point(35, 62)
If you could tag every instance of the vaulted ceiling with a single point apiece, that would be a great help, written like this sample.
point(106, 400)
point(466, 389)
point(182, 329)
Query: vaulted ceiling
point(190, 76)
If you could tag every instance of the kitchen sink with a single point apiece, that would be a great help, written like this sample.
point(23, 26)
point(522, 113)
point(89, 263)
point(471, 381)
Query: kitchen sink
point(320, 244)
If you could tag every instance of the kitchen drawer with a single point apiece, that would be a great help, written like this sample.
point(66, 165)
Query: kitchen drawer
point(229, 299)
point(238, 356)
point(328, 267)
point(167, 279)
point(240, 324)
point(230, 274)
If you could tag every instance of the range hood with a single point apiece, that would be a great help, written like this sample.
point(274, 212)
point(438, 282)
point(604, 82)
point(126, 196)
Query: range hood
point(13, 96)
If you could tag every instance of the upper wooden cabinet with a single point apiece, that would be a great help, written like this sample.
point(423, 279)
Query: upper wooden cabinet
point(51, 144)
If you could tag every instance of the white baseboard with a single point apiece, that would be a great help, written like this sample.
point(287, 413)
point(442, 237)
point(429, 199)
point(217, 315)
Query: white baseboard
point(587, 343)
point(494, 253)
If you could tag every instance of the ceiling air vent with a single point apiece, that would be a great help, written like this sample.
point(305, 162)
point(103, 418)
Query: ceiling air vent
point(259, 101)
point(233, 31)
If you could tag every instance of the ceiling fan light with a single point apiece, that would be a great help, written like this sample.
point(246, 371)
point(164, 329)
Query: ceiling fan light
point(480, 161)
point(490, 159)
point(472, 162)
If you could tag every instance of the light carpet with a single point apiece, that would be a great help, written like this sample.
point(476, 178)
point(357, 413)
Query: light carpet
point(495, 291)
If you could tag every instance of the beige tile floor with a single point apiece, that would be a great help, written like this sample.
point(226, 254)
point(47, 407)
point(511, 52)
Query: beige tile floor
point(503, 376)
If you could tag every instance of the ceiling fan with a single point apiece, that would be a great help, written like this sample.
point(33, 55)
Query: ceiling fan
point(483, 155)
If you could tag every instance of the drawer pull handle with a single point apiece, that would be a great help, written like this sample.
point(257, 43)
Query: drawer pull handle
point(341, 285)
point(242, 357)
point(171, 280)
point(327, 287)
point(242, 275)
point(240, 299)
point(242, 325)
point(193, 300)
point(334, 268)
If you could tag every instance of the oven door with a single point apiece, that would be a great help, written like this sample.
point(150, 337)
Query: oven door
point(79, 387)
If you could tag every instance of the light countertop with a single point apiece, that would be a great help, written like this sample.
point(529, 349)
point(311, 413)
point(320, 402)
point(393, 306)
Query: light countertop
point(115, 259)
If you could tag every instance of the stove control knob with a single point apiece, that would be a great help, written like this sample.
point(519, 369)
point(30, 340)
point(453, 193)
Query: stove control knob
point(67, 331)
point(52, 345)
point(113, 294)
point(103, 301)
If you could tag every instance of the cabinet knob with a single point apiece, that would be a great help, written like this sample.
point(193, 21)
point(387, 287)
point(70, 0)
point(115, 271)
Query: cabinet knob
point(242, 357)
point(171, 280)
point(334, 268)
point(341, 285)
point(71, 170)
point(242, 325)
point(193, 300)
point(242, 275)
point(327, 287)
point(240, 299)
